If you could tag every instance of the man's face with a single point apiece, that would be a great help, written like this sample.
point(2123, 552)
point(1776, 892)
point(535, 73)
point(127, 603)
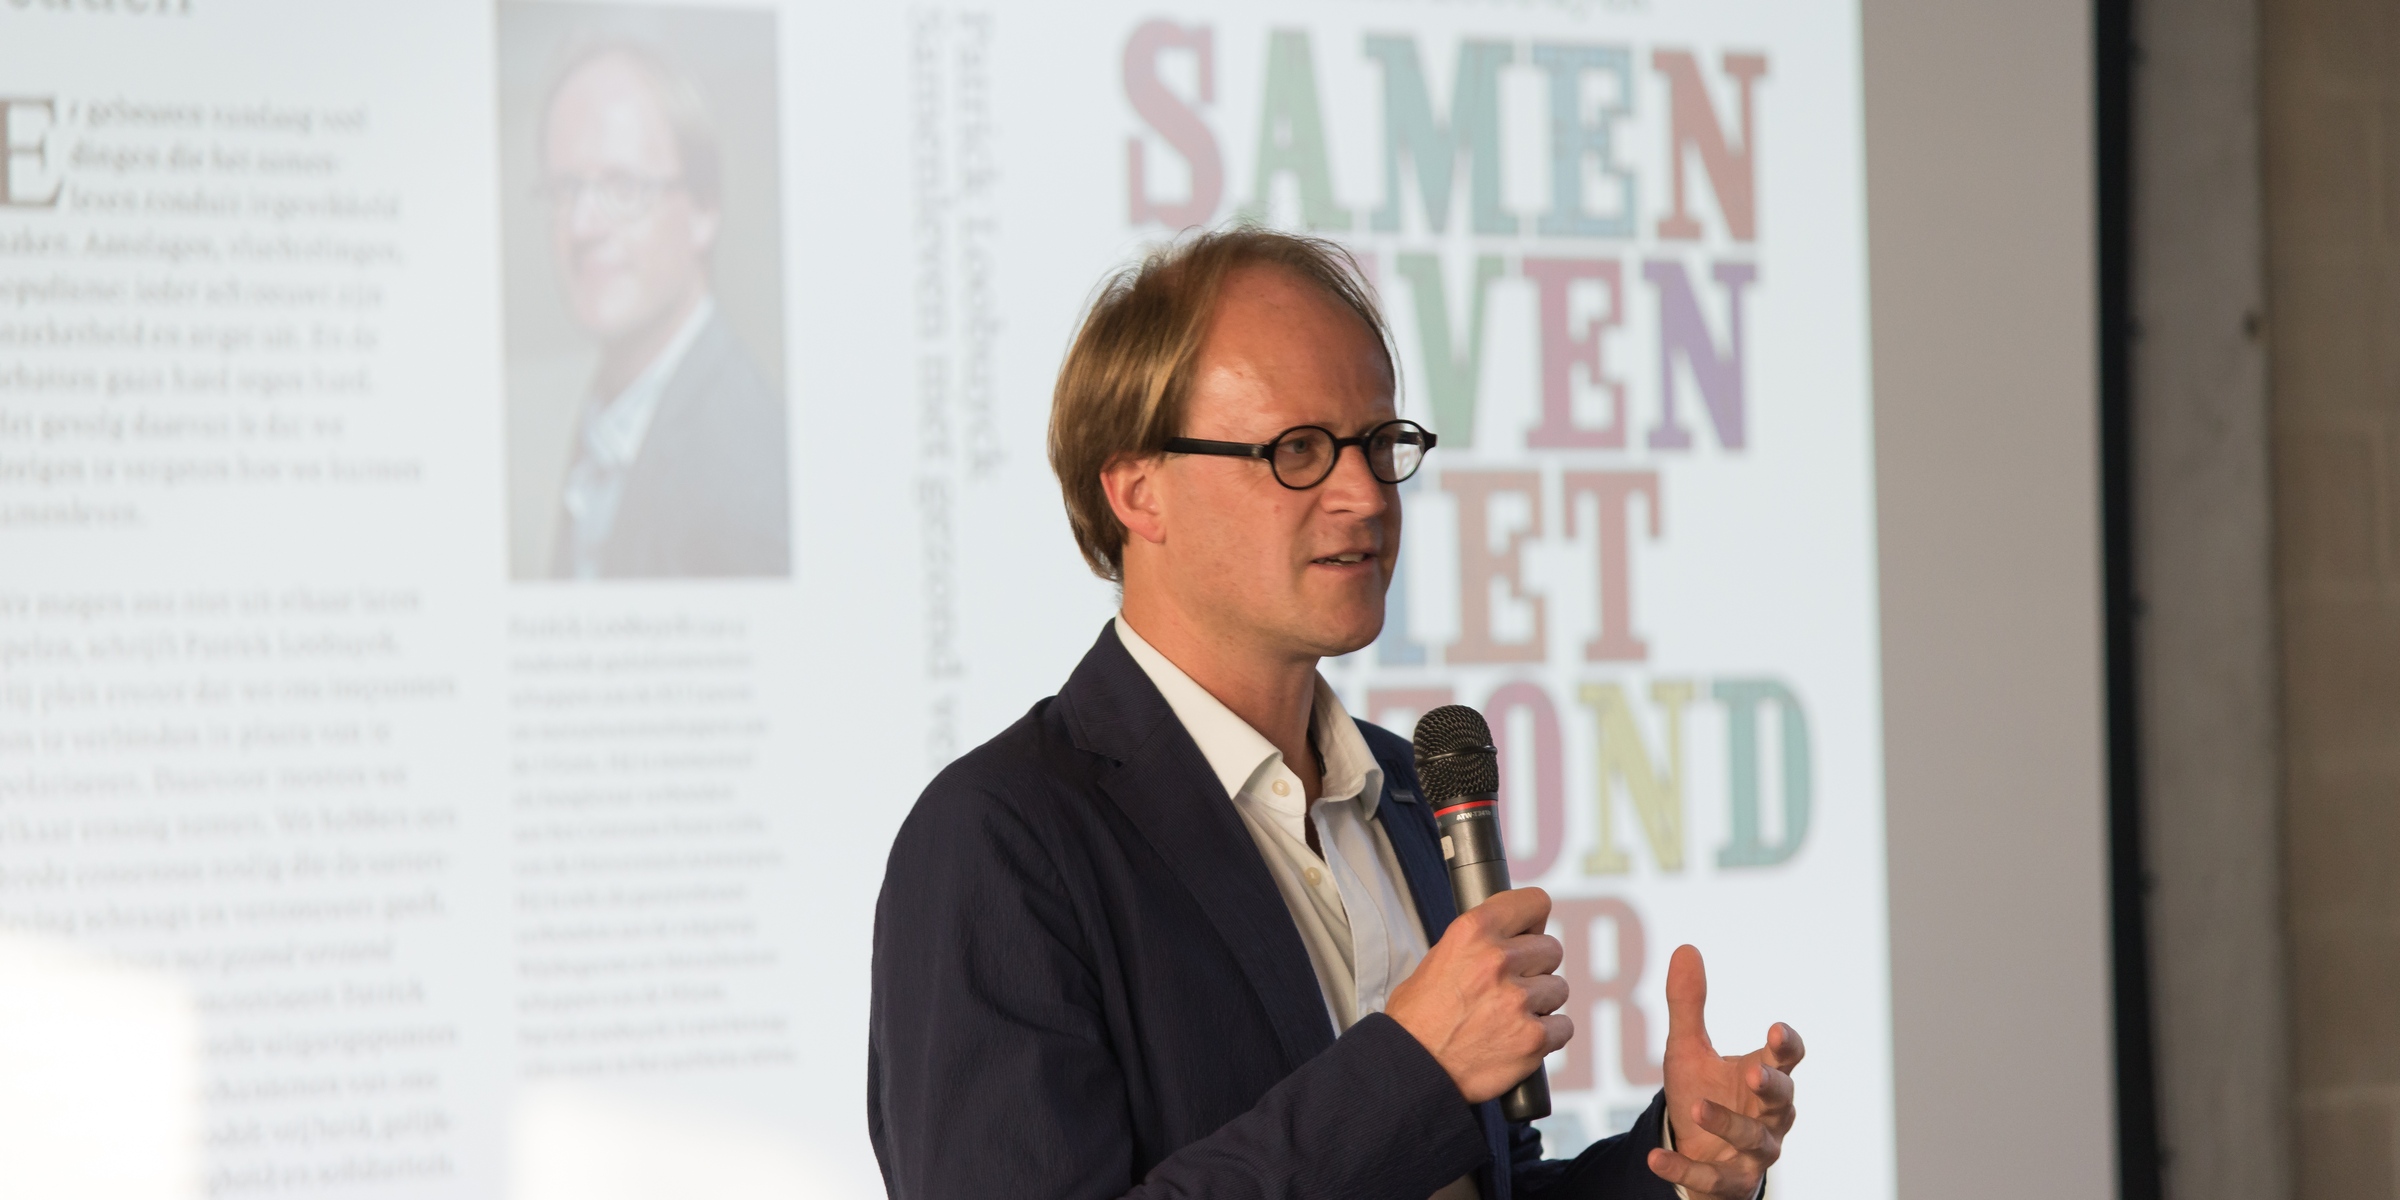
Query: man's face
point(1300, 572)
point(630, 244)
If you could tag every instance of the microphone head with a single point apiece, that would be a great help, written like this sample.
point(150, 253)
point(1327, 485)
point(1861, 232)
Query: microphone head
point(1455, 755)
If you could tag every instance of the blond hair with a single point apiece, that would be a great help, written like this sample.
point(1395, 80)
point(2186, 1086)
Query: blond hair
point(1122, 389)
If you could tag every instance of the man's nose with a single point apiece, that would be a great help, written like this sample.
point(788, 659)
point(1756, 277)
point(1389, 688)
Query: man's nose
point(583, 217)
point(1353, 487)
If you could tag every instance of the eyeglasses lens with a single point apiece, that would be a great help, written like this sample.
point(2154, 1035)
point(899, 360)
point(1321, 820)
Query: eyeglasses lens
point(1303, 457)
point(1394, 451)
point(613, 199)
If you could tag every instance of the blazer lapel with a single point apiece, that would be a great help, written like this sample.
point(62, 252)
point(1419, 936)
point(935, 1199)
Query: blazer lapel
point(1165, 787)
point(1416, 842)
point(1408, 825)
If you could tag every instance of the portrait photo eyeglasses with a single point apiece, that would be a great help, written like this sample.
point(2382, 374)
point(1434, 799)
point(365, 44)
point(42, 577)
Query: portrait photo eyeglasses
point(617, 199)
point(1304, 455)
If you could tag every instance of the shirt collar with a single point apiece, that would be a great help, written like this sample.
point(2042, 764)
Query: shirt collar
point(620, 423)
point(1236, 753)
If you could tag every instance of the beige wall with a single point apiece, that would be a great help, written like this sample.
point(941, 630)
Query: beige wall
point(2266, 411)
point(2331, 105)
point(1979, 190)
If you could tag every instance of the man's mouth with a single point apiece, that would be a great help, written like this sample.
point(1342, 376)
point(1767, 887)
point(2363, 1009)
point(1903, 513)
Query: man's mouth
point(1349, 558)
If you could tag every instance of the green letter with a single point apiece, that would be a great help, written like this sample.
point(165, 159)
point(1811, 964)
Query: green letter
point(1742, 698)
point(1291, 135)
point(1450, 371)
point(1473, 129)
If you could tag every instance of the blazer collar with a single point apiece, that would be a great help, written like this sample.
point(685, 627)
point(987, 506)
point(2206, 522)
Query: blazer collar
point(1165, 787)
point(1409, 827)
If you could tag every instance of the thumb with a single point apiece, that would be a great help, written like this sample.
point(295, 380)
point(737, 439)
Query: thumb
point(1687, 995)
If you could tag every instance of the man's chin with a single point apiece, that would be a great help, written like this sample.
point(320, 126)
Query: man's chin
point(615, 310)
point(1334, 639)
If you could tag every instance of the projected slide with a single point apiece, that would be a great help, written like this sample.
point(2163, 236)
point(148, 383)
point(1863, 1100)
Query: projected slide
point(504, 507)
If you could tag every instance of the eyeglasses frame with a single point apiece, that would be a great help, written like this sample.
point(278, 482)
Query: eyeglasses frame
point(561, 195)
point(1265, 451)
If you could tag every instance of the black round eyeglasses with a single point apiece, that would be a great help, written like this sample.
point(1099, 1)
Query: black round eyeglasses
point(1304, 455)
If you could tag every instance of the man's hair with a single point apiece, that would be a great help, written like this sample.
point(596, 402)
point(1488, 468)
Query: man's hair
point(679, 101)
point(1122, 389)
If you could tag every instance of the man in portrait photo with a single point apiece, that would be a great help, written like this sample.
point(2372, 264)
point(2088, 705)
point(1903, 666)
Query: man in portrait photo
point(678, 464)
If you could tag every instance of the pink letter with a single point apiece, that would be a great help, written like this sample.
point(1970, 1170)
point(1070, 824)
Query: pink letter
point(1614, 489)
point(1175, 121)
point(1575, 919)
point(1693, 124)
point(1563, 348)
point(1549, 775)
point(1479, 565)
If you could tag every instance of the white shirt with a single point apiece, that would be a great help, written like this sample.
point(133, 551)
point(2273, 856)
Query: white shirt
point(1352, 906)
point(612, 435)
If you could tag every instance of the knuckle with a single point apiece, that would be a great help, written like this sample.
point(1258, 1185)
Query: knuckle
point(1480, 960)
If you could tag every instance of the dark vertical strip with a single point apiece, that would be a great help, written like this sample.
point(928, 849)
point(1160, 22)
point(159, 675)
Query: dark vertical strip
point(2138, 1173)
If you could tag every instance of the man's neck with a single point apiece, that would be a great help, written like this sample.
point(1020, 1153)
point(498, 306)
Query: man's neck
point(1273, 694)
point(623, 359)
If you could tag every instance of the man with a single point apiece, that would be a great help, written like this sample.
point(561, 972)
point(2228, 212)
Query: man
point(1183, 930)
point(678, 468)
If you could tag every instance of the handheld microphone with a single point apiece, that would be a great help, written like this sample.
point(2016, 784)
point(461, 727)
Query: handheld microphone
point(1459, 769)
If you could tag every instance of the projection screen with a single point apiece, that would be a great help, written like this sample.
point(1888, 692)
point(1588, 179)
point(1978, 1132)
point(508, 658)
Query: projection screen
point(422, 775)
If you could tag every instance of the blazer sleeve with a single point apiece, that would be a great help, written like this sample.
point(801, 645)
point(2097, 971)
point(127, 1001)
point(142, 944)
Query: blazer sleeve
point(1615, 1168)
point(992, 1069)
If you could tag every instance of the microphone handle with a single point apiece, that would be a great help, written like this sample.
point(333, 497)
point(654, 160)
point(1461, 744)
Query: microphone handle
point(1470, 828)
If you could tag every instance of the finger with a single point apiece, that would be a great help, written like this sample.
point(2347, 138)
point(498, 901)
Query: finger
point(1545, 994)
point(1507, 914)
point(1557, 1031)
point(1527, 910)
point(1687, 995)
point(1534, 954)
point(1772, 1087)
point(1740, 1132)
point(1692, 1176)
point(1783, 1046)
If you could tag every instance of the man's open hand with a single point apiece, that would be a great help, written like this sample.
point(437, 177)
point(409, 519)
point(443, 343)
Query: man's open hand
point(1485, 1001)
point(1730, 1114)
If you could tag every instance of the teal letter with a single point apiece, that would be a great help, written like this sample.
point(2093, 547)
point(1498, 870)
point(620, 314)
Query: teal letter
point(1473, 129)
point(1450, 370)
point(1291, 135)
point(1571, 138)
point(1742, 698)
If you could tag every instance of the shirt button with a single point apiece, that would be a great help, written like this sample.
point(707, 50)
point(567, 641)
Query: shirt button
point(1314, 876)
point(1282, 788)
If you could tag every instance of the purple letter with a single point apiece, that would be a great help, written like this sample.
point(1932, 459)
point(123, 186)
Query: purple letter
point(1682, 330)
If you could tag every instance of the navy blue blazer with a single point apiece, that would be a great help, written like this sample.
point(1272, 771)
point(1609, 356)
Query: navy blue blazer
point(1086, 986)
point(708, 496)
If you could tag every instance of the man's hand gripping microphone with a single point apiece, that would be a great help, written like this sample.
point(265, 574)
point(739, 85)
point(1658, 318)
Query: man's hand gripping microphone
point(1459, 770)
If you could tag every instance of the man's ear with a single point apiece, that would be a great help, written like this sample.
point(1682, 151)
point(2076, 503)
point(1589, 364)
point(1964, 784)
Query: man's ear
point(1131, 482)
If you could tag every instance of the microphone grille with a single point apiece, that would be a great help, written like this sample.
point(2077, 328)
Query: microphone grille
point(1454, 755)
